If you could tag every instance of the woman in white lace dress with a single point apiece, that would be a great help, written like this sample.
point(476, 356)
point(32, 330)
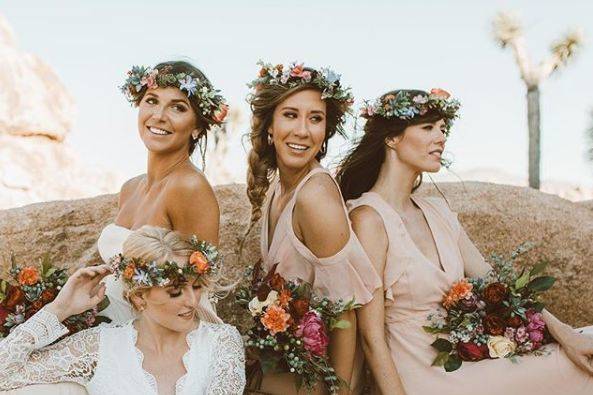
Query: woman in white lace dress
point(167, 350)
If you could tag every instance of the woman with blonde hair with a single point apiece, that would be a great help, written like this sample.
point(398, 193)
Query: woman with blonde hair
point(305, 229)
point(166, 350)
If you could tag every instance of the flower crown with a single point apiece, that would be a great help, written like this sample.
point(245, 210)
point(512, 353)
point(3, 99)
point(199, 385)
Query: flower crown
point(296, 74)
point(405, 105)
point(136, 272)
point(211, 102)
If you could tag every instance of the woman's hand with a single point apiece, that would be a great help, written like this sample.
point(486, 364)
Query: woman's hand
point(82, 291)
point(579, 349)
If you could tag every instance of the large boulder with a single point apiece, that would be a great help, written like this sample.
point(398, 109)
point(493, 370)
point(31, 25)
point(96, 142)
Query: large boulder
point(498, 218)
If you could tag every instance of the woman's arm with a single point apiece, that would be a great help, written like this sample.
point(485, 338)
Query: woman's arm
point(192, 207)
point(228, 372)
point(25, 359)
point(369, 228)
point(578, 347)
point(320, 222)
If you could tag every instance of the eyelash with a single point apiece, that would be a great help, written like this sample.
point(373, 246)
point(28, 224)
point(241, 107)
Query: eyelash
point(292, 115)
point(175, 295)
point(180, 108)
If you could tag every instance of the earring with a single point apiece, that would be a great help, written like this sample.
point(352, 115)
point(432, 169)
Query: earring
point(323, 149)
point(270, 140)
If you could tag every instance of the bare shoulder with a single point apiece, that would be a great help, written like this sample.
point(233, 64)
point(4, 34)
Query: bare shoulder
point(319, 193)
point(366, 218)
point(128, 188)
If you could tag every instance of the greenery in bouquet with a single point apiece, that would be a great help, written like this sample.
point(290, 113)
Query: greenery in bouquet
point(29, 288)
point(496, 316)
point(291, 326)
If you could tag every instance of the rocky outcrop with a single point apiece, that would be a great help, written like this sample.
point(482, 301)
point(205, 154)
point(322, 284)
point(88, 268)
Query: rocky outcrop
point(498, 218)
point(36, 115)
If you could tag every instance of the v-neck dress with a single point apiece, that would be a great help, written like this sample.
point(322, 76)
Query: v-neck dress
point(347, 274)
point(414, 287)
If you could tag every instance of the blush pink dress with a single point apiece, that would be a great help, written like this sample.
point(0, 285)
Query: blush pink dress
point(414, 287)
point(347, 274)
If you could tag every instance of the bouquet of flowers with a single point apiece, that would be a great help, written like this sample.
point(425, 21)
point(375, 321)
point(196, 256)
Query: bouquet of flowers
point(291, 326)
point(497, 316)
point(32, 287)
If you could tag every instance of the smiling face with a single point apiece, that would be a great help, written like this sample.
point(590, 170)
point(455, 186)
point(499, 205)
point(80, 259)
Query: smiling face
point(173, 307)
point(298, 129)
point(421, 146)
point(166, 121)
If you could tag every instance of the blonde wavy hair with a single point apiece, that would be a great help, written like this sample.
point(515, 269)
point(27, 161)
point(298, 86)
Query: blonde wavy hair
point(151, 243)
point(262, 156)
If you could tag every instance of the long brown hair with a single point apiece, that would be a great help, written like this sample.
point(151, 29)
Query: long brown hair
point(359, 170)
point(262, 156)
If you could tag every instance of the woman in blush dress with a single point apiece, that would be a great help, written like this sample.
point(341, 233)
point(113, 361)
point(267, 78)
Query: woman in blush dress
point(306, 231)
point(166, 350)
point(420, 249)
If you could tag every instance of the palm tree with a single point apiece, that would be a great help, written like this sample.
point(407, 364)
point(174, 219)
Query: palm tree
point(508, 32)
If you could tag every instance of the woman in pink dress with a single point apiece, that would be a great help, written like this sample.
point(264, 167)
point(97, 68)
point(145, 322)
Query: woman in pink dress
point(306, 231)
point(420, 249)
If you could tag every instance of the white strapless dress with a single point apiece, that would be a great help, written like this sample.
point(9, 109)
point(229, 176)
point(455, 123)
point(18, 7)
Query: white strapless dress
point(110, 243)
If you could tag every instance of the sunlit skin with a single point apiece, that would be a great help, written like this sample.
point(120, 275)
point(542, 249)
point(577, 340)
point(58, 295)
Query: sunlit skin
point(166, 196)
point(407, 156)
point(298, 131)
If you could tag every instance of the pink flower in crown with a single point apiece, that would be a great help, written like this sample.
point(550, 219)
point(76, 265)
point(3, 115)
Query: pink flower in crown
point(221, 113)
point(297, 70)
point(312, 330)
point(367, 111)
point(306, 75)
point(150, 79)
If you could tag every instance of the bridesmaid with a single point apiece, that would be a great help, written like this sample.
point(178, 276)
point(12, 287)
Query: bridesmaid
point(420, 249)
point(306, 231)
point(177, 106)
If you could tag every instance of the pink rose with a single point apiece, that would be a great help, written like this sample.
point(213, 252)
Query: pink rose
point(306, 75)
point(536, 336)
point(536, 321)
point(312, 331)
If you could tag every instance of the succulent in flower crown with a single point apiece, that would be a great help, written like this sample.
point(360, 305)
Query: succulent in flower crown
point(136, 272)
point(212, 105)
point(295, 74)
point(406, 105)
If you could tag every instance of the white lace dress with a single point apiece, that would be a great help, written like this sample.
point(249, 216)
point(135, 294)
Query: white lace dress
point(106, 361)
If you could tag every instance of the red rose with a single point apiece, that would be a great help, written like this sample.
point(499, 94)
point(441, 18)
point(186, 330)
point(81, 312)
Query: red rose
point(493, 325)
point(277, 282)
point(495, 293)
point(14, 297)
point(300, 307)
point(471, 351)
point(514, 321)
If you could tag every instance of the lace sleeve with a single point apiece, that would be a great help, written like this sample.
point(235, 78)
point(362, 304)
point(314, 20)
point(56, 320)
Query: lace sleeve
point(26, 359)
point(227, 375)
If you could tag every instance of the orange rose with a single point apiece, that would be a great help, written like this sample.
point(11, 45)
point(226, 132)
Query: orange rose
point(388, 97)
point(29, 276)
point(279, 67)
point(297, 70)
point(199, 262)
point(459, 290)
point(263, 72)
point(276, 319)
point(440, 93)
point(129, 271)
point(221, 114)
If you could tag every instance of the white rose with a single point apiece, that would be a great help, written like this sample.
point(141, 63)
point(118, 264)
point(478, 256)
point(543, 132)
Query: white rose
point(500, 346)
point(256, 306)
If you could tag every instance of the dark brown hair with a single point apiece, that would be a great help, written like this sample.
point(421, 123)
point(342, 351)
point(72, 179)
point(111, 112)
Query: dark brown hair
point(262, 157)
point(359, 170)
point(202, 123)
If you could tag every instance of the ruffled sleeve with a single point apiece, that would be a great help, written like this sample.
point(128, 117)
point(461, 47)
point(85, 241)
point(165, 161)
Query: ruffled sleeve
point(347, 275)
point(26, 358)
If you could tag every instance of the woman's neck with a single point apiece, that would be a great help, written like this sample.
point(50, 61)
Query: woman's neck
point(161, 165)
point(290, 178)
point(156, 337)
point(395, 182)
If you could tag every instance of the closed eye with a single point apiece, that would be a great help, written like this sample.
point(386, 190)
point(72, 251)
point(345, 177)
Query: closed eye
point(427, 127)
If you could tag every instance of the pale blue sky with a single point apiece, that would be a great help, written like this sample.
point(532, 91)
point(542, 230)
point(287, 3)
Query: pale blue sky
point(375, 45)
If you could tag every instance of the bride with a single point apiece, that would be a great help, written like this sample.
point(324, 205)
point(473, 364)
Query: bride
point(166, 350)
